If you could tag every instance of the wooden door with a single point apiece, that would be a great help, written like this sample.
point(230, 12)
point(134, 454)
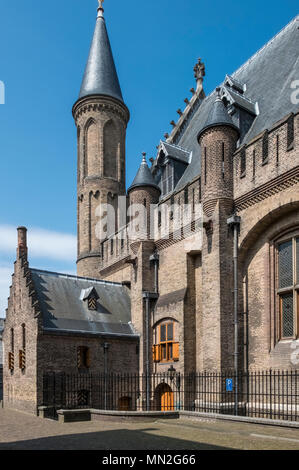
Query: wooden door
point(167, 399)
point(124, 404)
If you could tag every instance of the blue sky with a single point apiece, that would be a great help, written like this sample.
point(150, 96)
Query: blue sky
point(44, 47)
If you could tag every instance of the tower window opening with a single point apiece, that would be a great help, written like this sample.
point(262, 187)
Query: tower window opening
point(265, 153)
point(205, 160)
point(243, 163)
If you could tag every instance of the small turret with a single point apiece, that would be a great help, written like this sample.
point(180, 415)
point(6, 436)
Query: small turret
point(218, 139)
point(144, 191)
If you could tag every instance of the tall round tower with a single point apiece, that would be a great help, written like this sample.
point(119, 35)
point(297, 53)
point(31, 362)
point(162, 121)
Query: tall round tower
point(101, 117)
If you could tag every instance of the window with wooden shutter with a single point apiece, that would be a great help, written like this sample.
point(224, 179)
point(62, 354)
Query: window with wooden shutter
point(83, 357)
point(92, 303)
point(22, 359)
point(156, 353)
point(88, 359)
point(11, 361)
point(176, 351)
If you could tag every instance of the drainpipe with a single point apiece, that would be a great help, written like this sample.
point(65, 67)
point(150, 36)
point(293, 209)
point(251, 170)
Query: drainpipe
point(147, 312)
point(234, 223)
point(148, 296)
point(106, 347)
point(155, 259)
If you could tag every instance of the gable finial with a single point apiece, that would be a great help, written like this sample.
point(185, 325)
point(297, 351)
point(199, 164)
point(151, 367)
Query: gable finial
point(100, 9)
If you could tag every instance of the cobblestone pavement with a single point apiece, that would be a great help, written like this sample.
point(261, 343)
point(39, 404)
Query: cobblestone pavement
point(23, 431)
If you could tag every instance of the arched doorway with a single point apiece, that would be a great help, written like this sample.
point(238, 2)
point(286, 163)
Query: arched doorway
point(165, 401)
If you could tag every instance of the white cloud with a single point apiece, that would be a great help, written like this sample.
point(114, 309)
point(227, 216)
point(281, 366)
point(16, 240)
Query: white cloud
point(41, 243)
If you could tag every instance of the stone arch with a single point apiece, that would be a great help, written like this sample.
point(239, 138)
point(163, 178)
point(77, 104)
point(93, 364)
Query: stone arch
point(257, 287)
point(111, 149)
point(262, 224)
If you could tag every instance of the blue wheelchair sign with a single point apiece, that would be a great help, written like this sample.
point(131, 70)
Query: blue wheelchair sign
point(229, 385)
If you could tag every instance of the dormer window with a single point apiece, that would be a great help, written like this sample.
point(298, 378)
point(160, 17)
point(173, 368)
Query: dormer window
point(92, 303)
point(167, 178)
point(90, 296)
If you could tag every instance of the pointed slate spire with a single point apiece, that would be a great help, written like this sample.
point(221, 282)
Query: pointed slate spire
point(218, 116)
point(144, 176)
point(100, 77)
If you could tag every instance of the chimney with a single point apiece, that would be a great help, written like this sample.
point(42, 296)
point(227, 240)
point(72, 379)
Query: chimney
point(22, 243)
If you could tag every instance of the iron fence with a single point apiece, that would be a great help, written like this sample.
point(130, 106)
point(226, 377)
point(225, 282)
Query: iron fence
point(262, 394)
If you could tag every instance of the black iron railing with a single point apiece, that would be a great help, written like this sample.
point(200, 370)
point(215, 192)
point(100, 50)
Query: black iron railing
point(263, 394)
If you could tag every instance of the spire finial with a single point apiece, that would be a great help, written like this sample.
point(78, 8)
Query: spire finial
point(144, 158)
point(218, 90)
point(100, 9)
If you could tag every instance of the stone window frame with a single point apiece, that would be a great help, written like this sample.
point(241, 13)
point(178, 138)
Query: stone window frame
point(291, 234)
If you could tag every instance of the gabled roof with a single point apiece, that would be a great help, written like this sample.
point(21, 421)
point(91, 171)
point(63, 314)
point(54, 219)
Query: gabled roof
point(63, 310)
point(100, 77)
point(173, 151)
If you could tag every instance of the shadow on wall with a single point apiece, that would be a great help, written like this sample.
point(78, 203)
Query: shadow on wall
point(119, 439)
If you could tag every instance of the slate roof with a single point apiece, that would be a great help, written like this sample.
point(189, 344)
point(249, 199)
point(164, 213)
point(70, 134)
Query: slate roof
point(64, 311)
point(268, 75)
point(176, 152)
point(100, 77)
point(144, 177)
point(218, 116)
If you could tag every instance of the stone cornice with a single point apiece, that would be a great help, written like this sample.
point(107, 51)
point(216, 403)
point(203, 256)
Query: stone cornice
point(274, 186)
point(100, 103)
point(114, 267)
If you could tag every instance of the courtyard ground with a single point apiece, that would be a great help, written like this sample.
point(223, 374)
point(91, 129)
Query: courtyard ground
point(20, 431)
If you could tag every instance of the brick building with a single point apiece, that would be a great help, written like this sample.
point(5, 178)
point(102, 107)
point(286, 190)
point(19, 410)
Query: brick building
point(198, 266)
point(1, 359)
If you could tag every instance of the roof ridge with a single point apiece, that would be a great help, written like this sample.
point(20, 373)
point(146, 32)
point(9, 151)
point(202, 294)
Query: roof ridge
point(176, 146)
point(75, 277)
point(296, 18)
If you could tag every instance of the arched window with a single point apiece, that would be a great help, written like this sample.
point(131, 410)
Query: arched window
point(166, 349)
point(287, 288)
point(92, 164)
point(110, 150)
